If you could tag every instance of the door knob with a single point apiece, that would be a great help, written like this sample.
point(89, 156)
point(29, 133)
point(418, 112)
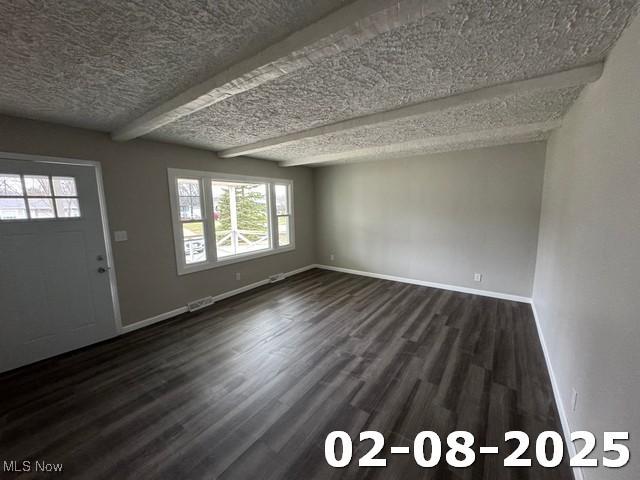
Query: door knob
point(102, 270)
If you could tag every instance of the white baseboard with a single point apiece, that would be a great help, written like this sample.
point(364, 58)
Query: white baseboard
point(151, 320)
point(455, 288)
point(180, 310)
point(166, 315)
point(566, 428)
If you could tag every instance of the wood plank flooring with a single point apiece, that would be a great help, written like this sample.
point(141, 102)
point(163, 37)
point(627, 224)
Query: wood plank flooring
point(249, 388)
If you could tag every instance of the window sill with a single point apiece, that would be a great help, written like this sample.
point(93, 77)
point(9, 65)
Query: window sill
point(199, 267)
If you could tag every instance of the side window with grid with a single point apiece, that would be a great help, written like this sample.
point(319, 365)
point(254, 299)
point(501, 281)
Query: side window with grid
point(33, 197)
point(190, 205)
point(283, 212)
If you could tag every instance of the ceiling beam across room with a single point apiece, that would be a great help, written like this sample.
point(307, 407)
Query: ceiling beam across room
point(574, 77)
point(345, 28)
point(496, 136)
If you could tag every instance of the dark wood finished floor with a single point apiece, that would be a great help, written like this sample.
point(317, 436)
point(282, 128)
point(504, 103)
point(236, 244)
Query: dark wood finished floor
point(250, 388)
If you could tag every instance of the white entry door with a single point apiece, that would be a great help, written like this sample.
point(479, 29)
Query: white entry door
point(55, 288)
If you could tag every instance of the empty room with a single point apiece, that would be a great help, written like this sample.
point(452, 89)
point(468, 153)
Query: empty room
point(320, 239)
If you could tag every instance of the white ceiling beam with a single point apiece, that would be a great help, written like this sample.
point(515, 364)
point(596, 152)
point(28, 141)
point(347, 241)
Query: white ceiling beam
point(569, 78)
point(445, 143)
point(346, 28)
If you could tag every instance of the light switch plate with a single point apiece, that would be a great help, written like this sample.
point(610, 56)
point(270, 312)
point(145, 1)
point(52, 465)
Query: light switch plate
point(120, 236)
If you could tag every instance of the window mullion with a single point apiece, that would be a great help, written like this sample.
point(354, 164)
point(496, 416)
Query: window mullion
point(288, 199)
point(292, 230)
point(233, 214)
point(207, 220)
point(24, 196)
point(182, 240)
point(53, 197)
point(273, 216)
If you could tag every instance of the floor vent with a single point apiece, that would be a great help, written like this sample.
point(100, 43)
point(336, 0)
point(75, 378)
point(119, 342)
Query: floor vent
point(200, 303)
point(277, 277)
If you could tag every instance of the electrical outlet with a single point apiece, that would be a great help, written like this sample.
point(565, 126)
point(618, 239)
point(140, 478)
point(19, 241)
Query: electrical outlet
point(477, 277)
point(332, 257)
point(120, 235)
point(238, 276)
point(574, 399)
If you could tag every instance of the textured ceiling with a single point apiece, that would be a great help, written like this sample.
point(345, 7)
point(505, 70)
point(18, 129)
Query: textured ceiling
point(469, 45)
point(521, 109)
point(102, 64)
point(466, 141)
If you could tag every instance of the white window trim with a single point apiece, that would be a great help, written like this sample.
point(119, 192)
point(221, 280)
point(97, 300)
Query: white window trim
point(206, 205)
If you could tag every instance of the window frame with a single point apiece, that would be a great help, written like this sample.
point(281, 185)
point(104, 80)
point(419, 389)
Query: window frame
point(288, 215)
point(205, 179)
point(181, 222)
point(53, 197)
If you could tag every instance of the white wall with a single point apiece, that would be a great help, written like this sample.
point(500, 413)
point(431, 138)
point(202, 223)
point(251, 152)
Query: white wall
point(437, 218)
point(587, 283)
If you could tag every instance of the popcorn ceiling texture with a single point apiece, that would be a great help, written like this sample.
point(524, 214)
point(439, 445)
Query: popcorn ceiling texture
point(526, 108)
point(466, 141)
point(99, 64)
point(469, 45)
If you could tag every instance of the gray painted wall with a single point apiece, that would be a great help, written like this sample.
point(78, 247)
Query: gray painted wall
point(137, 193)
point(437, 218)
point(587, 283)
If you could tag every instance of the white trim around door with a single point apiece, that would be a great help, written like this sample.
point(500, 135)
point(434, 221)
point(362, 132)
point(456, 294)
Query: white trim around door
point(103, 214)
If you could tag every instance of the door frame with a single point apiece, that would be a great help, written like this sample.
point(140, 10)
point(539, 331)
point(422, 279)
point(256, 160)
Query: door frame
point(97, 168)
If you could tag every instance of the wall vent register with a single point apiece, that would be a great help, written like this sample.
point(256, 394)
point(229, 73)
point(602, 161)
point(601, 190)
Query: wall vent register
point(38, 197)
